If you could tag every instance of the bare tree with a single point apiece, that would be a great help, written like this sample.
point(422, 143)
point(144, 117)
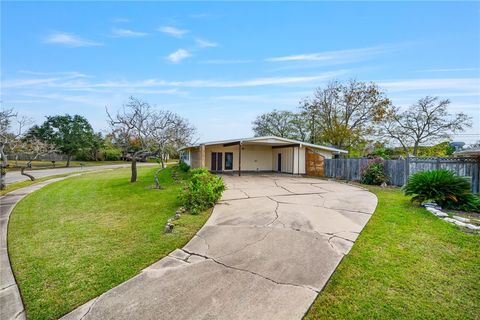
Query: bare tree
point(33, 148)
point(132, 123)
point(6, 138)
point(148, 131)
point(426, 121)
point(169, 132)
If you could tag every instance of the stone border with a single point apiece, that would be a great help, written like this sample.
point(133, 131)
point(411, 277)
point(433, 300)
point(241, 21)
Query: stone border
point(10, 298)
point(459, 221)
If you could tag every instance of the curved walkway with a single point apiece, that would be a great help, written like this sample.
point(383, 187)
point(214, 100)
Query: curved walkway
point(269, 247)
point(11, 305)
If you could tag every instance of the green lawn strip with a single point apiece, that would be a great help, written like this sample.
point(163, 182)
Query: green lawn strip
point(75, 239)
point(406, 264)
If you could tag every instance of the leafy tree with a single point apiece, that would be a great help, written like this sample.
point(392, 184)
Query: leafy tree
point(68, 134)
point(344, 114)
point(277, 123)
point(426, 121)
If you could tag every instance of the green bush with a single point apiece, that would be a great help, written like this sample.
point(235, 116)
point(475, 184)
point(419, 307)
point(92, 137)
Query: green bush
point(444, 188)
point(111, 154)
point(183, 166)
point(202, 191)
point(374, 172)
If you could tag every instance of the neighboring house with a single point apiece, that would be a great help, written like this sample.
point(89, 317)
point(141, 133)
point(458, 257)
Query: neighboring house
point(472, 152)
point(259, 154)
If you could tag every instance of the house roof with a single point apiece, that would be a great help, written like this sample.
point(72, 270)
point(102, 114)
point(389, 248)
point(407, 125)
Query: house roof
point(472, 152)
point(267, 140)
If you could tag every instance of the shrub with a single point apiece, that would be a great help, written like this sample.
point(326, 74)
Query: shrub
point(111, 154)
point(374, 172)
point(183, 166)
point(202, 191)
point(444, 188)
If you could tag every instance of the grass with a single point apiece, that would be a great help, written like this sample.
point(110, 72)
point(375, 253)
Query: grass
point(16, 165)
point(406, 264)
point(75, 239)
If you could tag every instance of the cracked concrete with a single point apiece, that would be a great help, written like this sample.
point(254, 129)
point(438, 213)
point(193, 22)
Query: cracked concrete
point(269, 247)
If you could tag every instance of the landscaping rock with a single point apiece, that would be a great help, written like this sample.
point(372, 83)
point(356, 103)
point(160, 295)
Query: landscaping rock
point(169, 228)
point(431, 205)
point(177, 216)
point(462, 219)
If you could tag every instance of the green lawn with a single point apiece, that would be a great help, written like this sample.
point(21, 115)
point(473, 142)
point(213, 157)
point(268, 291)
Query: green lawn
point(77, 238)
point(406, 264)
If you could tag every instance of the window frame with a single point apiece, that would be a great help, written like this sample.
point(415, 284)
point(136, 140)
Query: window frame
point(225, 161)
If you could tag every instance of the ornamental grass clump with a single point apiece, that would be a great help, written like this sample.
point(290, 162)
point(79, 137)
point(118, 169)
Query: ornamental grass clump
point(374, 172)
point(202, 191)
point(444, 188)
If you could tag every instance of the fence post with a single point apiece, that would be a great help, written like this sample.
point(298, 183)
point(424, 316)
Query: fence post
point(407, 169)
point(437, 165)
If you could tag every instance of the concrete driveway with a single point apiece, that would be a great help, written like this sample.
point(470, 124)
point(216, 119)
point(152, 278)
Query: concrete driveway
point(269, 247)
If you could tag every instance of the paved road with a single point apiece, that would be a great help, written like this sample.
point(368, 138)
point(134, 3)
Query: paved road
point(15, 176)
point(269, 247)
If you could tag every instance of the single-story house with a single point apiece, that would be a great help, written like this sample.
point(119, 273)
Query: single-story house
point(259, 154)
point(471, 152)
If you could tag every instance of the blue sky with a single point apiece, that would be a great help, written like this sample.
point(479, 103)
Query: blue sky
point(221, 64)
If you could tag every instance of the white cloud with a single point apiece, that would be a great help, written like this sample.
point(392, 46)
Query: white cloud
point(340, 56)
point(448, 70)
point(226, 61)
point(70, 40)
point(126, 33)
point(82, 85)
point(172, 31)
point(202, 43)
point(461, 84)
point(68, 74)
point(178, 55)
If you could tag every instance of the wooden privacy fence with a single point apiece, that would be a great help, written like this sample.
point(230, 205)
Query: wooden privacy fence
point(399, 170)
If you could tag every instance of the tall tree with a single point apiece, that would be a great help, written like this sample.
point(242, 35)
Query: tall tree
point(426, 121)
point(68, 134)
point(284, 124)
point(6, 138)
point(147, 131)
point(344, 114)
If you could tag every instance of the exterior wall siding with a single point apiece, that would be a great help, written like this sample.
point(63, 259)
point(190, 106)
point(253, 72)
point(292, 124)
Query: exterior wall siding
point(255, 157)
point(287, 159)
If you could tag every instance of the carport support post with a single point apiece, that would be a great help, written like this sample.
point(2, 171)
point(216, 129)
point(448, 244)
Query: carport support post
point(239, 158)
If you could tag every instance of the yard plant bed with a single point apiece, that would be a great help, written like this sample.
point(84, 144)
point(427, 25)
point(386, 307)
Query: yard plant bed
point(75, 239)
point(406, 264)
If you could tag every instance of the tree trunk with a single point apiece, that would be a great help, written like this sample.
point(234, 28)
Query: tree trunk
point(134, 168)
point(22, 171)
point(415, 149)
point(3, 169)
point(68, 160)
point(155, 177)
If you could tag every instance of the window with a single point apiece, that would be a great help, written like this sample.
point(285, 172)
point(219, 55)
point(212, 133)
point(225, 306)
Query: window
point(228, 160)
point(185, 156)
